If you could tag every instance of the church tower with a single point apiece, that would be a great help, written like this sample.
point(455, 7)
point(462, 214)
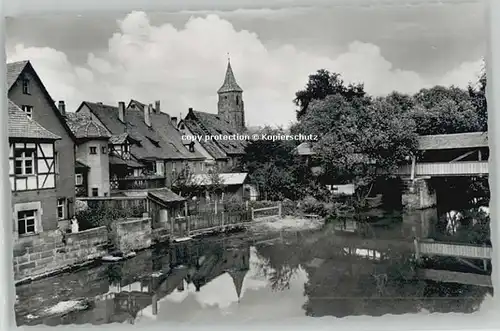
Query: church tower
point(230, 105)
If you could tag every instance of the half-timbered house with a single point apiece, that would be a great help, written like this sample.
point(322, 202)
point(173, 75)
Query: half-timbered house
point(27, 91)
point(32, 175)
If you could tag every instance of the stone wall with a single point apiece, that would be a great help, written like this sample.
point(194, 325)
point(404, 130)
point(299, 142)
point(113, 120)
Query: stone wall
point(418, 195)
point(132, 234)
point(51, 251)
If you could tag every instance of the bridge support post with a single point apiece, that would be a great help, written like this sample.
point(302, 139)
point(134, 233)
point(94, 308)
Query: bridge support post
point(418, 257)
point(417, 194)
point(419, 222)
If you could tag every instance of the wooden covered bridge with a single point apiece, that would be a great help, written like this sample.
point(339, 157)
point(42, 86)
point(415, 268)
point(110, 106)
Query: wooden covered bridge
point(461, 154)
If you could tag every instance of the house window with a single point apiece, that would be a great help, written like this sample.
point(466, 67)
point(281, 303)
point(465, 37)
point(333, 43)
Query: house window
point(93, 150)
point(26, 221)
point(28, 110)
point(160, 168)
point(26, 86)
point(25, 160)
point(78, 179)
point(95, 192)
point(237, 100)
point(191, 147)
point(104, 150)
point(60, 208)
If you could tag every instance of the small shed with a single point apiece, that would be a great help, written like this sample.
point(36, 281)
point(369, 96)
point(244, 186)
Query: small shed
point(163, 205)
point(235, 184)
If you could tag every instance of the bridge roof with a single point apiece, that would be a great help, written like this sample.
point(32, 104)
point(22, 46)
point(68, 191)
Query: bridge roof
point(453, 141)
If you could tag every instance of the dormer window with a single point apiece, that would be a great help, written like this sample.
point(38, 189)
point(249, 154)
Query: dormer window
point(26, 86)
point(28, 110)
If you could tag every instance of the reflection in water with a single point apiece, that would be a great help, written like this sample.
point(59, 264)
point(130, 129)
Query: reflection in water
point(230, 279)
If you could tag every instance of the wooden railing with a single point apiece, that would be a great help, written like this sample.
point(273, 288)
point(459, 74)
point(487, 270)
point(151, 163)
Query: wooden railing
point(447, 169)
point(207, 222)
point(455, 277)
point(456, 250)
point(136, 183)
point(266, 212)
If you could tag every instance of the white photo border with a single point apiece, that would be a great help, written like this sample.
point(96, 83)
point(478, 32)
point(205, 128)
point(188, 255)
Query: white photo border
point(487, 318)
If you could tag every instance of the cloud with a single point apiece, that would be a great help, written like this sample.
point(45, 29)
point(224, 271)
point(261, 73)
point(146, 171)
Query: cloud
point(185, 67)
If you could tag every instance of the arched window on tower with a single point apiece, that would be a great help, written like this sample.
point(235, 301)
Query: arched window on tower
point(237, 100)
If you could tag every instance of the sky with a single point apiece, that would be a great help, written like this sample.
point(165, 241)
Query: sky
point(179, 55)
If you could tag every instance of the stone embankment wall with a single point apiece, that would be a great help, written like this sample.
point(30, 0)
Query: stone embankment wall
point(52, 251)
point(132, 234)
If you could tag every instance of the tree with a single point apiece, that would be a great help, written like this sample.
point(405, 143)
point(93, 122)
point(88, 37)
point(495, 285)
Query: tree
point(216, 182)
point(185, 183)
point(403, 102)
point(357, 145)
point(322, 84)
point(431, 97)
point(442, 110)
point(273, 167)
point(478, 94)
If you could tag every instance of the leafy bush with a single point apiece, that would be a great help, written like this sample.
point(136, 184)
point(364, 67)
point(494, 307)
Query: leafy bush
point(103, 215)
point(310, 205)
point(234, 203)
point(289, 207)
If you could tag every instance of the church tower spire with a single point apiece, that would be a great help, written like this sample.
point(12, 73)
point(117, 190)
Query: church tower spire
point(230, 105)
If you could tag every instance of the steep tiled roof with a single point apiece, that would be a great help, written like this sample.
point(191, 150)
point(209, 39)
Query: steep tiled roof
point(14, 69)
point(206, 124)
point(210, 146)
point(118, 139)
point(20, 126)
point(229, 84)
point(152, 144)
point(162, 124)
point(84, 127)
point(452, 141)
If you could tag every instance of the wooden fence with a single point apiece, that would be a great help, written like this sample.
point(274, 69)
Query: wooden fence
point(204, 223)
point(259, 213)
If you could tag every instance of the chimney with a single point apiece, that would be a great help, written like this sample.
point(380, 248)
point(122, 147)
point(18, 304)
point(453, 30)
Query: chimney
point(174, 121)
point(121, 111)
point(190, 109)
point(62, 108)
point(147, 114)
point(157, 107)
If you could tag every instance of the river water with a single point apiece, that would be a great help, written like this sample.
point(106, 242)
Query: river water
point(245, 277)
